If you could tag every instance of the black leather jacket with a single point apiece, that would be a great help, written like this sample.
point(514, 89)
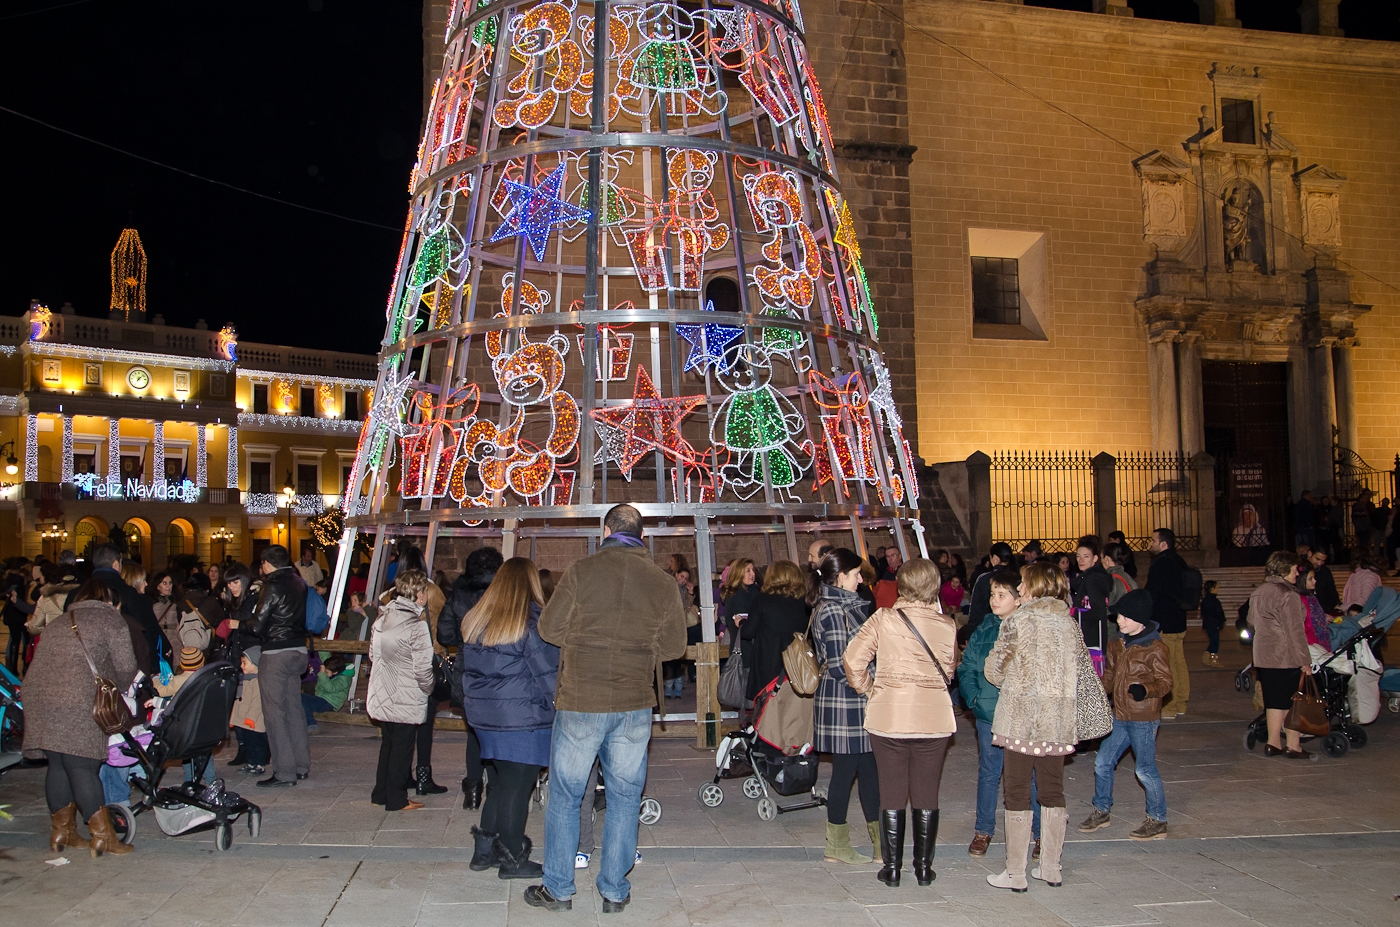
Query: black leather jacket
point(279, 618)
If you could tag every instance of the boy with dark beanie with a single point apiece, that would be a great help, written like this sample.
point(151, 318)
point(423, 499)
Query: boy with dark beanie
point(1137, 676)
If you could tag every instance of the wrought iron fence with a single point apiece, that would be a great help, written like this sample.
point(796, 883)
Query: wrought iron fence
point(1353, 480)
point(1046, 496)
point(1157, 491)
point(1051, 496)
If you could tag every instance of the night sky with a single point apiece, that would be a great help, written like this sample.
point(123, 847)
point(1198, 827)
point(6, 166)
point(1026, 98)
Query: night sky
point(313, 101)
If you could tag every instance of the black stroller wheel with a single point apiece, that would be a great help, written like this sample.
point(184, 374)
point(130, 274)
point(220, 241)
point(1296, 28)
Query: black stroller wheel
point(254, 824)
point(123, 822)
point(1248, 682)
point(1336, 745)
point(1250, 741)
point(1357, 736)
point(1239, 683)
point(223, 837)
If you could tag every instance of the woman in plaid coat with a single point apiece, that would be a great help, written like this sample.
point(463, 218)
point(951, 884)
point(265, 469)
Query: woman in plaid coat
point(839, 719)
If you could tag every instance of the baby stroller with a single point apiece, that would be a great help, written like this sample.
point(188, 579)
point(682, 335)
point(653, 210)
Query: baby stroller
point(766, 770)
point(1333, 682)
point(648, 813)
point(193, 725)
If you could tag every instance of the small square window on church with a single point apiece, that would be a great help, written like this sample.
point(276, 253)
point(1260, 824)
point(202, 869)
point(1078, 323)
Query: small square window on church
point(1237, 121)
point(996, 290)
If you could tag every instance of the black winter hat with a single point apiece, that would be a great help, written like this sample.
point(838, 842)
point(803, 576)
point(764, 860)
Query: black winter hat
point(1136, 604)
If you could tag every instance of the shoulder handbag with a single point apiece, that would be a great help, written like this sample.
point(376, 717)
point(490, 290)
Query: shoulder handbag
point(442, 682)
point(734, 680)
point(1308, 715)
point(109, 709)
point(1092, 716)
point(947, 684)
point(784, 718)
point(800, 662)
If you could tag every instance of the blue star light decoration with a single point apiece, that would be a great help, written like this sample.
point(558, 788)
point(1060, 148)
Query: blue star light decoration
point(708, 342)
point(536, 210)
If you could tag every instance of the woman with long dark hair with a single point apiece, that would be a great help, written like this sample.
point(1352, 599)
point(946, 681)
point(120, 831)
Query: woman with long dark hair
point(508, 682)
point(839, 712)
point(165, 603)
point(58, 694)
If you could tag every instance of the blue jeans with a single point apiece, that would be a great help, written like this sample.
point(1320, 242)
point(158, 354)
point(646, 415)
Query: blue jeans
point(989, 760)
point(311, 704)
point(1142, 737)
point(619, 740)
point(116, 784)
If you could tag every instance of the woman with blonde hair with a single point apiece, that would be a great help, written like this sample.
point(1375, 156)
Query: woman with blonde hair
point(910, 713)
point(1035, 664)
point(508, 681)
point(134, 575)
point(402, 677)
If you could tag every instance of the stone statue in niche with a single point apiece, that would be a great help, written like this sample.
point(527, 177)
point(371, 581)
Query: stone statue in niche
point(1242, 224)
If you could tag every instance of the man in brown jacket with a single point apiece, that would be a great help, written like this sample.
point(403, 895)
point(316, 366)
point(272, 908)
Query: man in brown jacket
point(1137, 675)
point(615, 616)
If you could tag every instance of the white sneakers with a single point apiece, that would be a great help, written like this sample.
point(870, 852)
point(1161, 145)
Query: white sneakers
point(581, 860)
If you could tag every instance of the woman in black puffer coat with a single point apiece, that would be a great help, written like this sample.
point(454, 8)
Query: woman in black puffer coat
point(471, 585)
point(508, 680)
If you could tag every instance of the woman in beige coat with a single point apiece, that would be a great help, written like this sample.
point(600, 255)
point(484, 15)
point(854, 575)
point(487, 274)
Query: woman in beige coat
point(910, 712)
point(1035, 663)
point(399, 685)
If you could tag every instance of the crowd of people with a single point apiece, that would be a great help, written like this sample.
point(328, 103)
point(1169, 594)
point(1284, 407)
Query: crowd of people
point(565, 674)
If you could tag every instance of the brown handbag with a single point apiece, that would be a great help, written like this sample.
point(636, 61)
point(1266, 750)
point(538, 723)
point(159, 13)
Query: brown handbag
point(1308, 714)
point(109, 709)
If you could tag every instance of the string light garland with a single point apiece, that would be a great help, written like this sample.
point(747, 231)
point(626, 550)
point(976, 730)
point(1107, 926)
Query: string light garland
point(117, 356)
point(129, 276)
point(232, 480)
point(158, 450)
point(31, 448)
point(297, 423)
point(114, 455)
point(201, 458)
point(66, 472)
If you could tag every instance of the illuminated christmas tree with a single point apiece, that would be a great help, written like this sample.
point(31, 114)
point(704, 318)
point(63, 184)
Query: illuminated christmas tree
point(628, 274)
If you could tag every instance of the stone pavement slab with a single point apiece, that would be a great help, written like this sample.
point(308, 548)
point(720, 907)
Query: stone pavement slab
point(1253, 841)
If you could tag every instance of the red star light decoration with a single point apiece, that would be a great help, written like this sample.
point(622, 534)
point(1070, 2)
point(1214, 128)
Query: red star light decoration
point(647, 423)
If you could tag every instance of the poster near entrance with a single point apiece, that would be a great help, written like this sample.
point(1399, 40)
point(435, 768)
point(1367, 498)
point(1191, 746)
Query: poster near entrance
point(1248, 504)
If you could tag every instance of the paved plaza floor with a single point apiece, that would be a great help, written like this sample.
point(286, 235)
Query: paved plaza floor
point(1252, 841)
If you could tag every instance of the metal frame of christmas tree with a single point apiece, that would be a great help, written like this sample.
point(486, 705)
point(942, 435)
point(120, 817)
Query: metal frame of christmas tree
point(546, 358)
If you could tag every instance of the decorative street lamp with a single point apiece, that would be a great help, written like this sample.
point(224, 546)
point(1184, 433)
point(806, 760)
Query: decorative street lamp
point(289, 492)
point(222, 536)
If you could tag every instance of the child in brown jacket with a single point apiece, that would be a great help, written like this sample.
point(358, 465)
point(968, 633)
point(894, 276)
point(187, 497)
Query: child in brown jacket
point(1137, 676)
point(247, 718)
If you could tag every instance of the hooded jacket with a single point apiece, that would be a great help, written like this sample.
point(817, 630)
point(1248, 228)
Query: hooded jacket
point(1035, 662)
point(1142, 660)
point(402, 675)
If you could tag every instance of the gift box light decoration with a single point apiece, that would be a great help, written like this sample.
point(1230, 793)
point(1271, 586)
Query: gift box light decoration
point(588, 177)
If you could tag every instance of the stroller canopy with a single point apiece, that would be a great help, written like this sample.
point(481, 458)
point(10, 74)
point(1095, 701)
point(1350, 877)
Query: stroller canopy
point(196, 720)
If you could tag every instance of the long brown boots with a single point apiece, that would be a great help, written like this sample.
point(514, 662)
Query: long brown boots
point(104, 836)
point(65, 830)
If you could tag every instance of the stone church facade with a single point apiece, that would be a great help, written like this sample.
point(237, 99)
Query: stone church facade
point(1196, 224)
